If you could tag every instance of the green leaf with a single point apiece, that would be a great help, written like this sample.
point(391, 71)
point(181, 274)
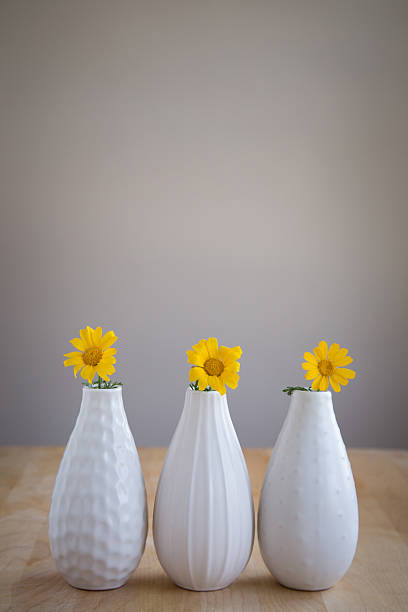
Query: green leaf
point(103, 384)
point(194, 387)
point(290, 390)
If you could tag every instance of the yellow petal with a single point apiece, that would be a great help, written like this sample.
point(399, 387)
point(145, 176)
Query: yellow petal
point(339, 378)
point(91, 332)
point(97, 336)
point(312, 374)
point(308, 366)
point(107, 364)
point(217, 385)
point(88, 372)
point(199, 375)
point(194, 374)
point(106, 358)
point(346, 373)
point(339, 360)
point(333, 350)
point(108, 339)
point(201, 349)
point(71, 362)
point(102, 372)
point(109, 352)
point(76, 369)
point(74, 355)
point(230, 378)
point(316, 383)
point(78, 343)
point(77, 360)
point(324, 383)
point(196, 358)
point(310, 358)
point(321, 350)
point(339, 353)
point(221, 389)
point(229, 355)
point(334, 384)
point(202, 380)
point(233, 367)
point(212, 347)
point(85, 337)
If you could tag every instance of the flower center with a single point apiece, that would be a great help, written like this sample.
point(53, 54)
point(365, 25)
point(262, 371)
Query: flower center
point(214, 367)
point(326, 368)
point(92, 356)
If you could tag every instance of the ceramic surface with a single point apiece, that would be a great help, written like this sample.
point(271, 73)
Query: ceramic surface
point(98, 518)
point(203, 518)
point(308, 514)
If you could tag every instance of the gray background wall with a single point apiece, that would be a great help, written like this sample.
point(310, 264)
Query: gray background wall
point(173, 170)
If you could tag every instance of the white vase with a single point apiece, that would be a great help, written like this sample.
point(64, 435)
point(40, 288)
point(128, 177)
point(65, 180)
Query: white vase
point(98, 519)
point(203, 523)
point(308, 513)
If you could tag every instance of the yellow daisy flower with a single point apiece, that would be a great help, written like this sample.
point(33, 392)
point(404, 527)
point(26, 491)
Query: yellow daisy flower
point(214, 367)
point(326, 365)
point(94, 354)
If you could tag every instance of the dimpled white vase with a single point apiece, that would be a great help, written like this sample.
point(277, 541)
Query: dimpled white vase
point(308, 514)
point(203, 521)
point(98, 519)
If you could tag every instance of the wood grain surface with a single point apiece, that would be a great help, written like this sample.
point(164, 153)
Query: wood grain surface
point(377, 579)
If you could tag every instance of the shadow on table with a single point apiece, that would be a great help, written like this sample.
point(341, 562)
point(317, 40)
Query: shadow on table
point(46, 590)
point(249, 588)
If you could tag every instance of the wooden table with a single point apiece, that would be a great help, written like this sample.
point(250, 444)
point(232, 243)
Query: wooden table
point(377, 579)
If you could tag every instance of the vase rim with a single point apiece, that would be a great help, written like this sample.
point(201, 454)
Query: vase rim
point(206, 392)
point(108, 390)
point(317, 393)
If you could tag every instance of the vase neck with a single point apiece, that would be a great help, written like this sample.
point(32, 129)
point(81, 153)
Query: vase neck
point(313, 400)
point(205, 402)
point(104, 402)
point(312, 409)
point(203, 407)
point(205, 422)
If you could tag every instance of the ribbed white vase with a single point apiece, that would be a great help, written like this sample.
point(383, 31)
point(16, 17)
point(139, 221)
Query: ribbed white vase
point(308, 513)
point(203, 521)
point(98, 518)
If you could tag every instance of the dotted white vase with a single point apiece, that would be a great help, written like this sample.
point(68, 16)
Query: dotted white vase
point(98, 518)
point(203, 521)
point(308, 513)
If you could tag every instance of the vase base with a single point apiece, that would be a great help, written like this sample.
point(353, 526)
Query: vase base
point(202, 589)
point(97, 588)
point(305, 588)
